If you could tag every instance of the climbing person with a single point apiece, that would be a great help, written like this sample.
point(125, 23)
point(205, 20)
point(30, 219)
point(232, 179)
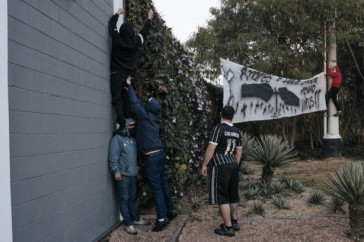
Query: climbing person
point(335, 73)
point(151, 147)
point(124, 49)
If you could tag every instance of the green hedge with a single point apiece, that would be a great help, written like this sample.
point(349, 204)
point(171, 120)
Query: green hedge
point(167, 72)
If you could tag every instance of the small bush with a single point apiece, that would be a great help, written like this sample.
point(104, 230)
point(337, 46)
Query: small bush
point(277, 188)
point(298, 186)
point(196, 203)
point(286, 179)
point(251, 193)
point(264, 187)
point(336, 204)
point(279, 203)
point(316, 197)
point(245, 170)
point(257, 207)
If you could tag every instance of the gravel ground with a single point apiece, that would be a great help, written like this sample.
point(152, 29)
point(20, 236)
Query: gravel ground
point(312, 223)
point(315, 229)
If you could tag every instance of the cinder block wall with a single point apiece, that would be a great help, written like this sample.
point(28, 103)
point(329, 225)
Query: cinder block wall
point(60, 119)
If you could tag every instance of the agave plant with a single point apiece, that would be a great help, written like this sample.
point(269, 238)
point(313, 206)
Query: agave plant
point(348, 184)
point(271, 152)
point(247, 144)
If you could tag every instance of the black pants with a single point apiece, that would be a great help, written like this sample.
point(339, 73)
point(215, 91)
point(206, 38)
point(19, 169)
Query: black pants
point(332, 93)
point(120, 97)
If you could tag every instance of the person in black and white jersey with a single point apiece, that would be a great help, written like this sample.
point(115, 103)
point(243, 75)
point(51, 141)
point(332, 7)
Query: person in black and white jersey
point(222, 157)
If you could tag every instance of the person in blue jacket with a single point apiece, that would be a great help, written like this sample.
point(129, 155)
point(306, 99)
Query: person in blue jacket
point(150, 145)
point(124, 167)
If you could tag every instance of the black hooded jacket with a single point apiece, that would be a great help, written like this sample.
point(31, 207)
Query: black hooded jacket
point(125, 45)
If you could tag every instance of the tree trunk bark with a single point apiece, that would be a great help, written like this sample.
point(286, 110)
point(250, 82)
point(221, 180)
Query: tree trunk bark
point(293, 136)
point(356, 217)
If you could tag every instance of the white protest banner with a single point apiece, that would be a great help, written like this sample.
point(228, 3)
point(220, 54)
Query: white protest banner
point(257, 95)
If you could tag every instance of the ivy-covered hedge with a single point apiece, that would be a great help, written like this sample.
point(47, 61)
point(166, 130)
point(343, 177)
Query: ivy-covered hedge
point(167, 72)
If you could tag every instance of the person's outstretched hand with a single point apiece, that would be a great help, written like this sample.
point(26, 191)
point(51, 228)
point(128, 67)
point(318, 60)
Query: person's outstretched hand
point(150, 14)
point(121, 11)
point(128, 80)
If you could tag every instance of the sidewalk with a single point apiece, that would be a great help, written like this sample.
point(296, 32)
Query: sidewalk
point(301, 228)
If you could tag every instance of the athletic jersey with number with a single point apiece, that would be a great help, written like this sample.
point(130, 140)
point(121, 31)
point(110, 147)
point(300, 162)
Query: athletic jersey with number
point(227, 138)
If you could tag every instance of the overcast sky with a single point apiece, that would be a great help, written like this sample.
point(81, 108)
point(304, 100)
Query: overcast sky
point(184, 16)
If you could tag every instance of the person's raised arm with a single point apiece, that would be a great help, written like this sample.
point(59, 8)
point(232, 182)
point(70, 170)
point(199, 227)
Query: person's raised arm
point(138, 106)
point(145, 31)
point(113, 29)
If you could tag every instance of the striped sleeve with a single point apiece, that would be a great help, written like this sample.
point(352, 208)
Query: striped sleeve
point(215, 135)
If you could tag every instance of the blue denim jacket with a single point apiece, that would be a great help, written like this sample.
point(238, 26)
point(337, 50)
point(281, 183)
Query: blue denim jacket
point(123, 154)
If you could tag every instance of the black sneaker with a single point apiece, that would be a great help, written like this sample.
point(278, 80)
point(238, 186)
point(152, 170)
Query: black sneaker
point(225, 231)
point(171, 215)
point(236, 226)
point(160, 225)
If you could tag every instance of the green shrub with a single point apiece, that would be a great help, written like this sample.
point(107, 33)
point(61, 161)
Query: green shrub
point(336, 204)
point(258, 208)
point(190, 105)
point(297, 186)
point(279, 202)
point(196, 202)
point(316, 197)
point(348, 183)
point(251, 193)
point(277, 188)
point(271, 152)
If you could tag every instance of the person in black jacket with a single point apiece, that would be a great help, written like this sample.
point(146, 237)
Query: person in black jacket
point(125, 46)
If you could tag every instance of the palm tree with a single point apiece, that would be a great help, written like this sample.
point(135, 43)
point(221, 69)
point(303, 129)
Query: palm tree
point(348, 185)
point(271, 152)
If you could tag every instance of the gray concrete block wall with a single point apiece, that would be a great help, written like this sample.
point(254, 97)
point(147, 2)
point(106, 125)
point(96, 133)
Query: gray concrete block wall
point(60, 119)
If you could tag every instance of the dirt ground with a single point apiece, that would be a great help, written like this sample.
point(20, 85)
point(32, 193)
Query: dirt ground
point(301, 222)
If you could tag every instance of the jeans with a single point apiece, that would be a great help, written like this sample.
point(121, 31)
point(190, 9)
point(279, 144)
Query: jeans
point(127, 191)
point(157, 181)
point(332, 93)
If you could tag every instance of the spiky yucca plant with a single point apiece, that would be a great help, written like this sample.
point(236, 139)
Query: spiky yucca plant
point(279, 202)
point(257, 207)
point(348, 184)
point(271, 152)
point(316, 197)
point(247, 144)
point(336, 204)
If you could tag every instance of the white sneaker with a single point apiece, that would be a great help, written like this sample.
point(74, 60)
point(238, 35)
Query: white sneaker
point(130, 229)
point(141, 222)
point(121, 217)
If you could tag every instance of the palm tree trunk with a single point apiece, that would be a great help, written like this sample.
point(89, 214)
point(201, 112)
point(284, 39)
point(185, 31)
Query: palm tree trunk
point(267, 174)
point(356, 217)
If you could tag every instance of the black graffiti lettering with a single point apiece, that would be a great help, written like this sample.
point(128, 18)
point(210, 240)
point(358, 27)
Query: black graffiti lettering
point(266, 78)
point(308, 103)
point(309, 89)
point(244, 109)
point(291, 81)
point(255, 75)
point(243, 73)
